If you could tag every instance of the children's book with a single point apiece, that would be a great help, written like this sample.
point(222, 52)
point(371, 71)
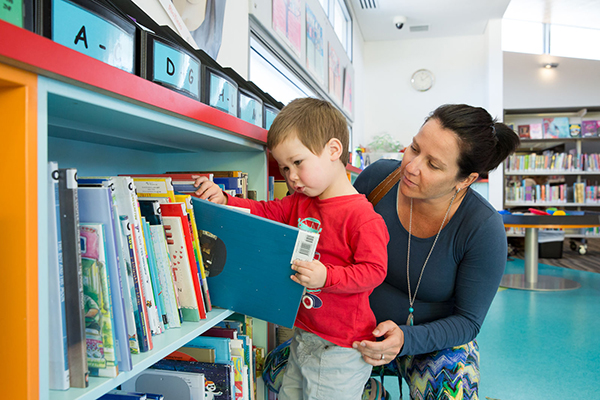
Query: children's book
point(96, 206)
point(178, 210)
point(57, 332)
point(187, 200)
point(182, 271)
point(556, 127)
point(154, 278)
point(218, 377)
point(193, 354)
point(123, 395)
point(524, 131)
point(99, 321)
point(222, 347)
point(159, 188)
point(535, 131)
point(73, 278)
point(248, 260)
point(575, 130)
point(589, 128)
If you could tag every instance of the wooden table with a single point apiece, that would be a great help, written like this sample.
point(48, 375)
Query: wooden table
point(531, 280)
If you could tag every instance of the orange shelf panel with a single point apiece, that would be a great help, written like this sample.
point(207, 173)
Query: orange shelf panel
point(19, 237)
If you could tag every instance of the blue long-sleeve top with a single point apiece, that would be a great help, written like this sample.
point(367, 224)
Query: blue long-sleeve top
point(460, 279)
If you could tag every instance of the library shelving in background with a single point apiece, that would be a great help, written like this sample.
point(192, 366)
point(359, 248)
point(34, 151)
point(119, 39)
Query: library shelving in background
point(59, 105)
point(577, 146)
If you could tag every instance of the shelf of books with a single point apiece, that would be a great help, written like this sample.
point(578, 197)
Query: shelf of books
point(80, 135)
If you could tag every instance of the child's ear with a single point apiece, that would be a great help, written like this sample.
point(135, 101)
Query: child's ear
point(334, 149)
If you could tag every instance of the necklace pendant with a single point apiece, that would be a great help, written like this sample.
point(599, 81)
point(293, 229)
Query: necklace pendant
point(409, 320)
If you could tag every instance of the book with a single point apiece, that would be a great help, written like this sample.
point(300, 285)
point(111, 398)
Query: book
point(122, 395)
point(217, 331)
point(524, 131)
point(555, 127)
point(183, 272)
point(535, 131)
point(160, 188)
point(57, 324)
point(154, 278)
point(187, 200)
point(177, 385)
point(96, 206)
point(178, 210)
point(218, 377)
point(575, 130)
point(247, 259)
point(221, 345)
point(73, 278)
point(193, 354)
point(589, 128)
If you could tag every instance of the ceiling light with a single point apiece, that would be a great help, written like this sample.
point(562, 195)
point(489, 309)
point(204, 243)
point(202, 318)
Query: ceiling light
point(550, 65)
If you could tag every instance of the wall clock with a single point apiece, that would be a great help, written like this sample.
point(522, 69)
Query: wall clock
point(422, 80)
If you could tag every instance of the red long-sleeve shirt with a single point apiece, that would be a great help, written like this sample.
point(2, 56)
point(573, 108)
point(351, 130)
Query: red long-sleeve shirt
point(352, 245)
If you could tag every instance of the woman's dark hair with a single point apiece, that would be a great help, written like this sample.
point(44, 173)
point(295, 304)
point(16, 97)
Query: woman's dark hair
point(483, 142)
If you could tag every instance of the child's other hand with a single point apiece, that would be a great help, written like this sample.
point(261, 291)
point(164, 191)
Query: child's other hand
point(310, 274)
point(208, 190)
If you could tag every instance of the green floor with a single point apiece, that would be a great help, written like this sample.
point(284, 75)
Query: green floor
point(540, 345)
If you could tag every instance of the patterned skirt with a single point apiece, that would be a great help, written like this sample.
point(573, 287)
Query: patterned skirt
point(449, 374)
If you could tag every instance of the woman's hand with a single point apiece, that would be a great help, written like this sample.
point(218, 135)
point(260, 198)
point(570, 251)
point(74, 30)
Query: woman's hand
point(208, 190)
point(381, 353)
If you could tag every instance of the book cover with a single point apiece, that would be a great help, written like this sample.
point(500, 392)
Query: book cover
point(589, 128)
point(187, 200)
point(150, 209)
point(221, 345)
point(247, 259)
point(575, 130)
point(154, 278)
point(57, 332)
point(218, 377)
point(160, 188)
point(182, 270)
point(524, 131)
point(99, 321)
point(163, 263)
point(135, 286)
point(535, 131)
point(96, 206)
point(178, 210)
point(193, 354)
point(556, 127)
point(74, 302)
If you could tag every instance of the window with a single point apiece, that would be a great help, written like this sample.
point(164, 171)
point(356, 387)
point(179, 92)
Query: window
point(571, 41)
point(340, 20)
point(273, 77)
point(522, 36)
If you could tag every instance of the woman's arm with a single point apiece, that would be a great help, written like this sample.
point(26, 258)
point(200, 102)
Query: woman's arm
point(381, 353)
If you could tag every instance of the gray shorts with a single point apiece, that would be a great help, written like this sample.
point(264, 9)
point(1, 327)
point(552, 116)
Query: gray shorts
point(320, 370)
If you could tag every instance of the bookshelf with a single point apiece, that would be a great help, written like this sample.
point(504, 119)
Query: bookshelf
point(552, 163)
point(57, 104)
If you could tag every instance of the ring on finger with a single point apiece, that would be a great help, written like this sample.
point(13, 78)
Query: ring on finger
point(382, 356)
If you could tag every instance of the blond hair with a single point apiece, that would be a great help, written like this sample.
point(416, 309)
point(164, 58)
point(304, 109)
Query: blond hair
point(314, 122)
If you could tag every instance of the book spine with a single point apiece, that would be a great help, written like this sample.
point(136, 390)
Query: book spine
point(156, 284)
point(74, 302)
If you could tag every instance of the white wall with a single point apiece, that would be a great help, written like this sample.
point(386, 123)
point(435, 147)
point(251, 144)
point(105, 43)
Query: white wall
point(391, 105)
point(235, 45)
point(575, 83)
point(359, 94)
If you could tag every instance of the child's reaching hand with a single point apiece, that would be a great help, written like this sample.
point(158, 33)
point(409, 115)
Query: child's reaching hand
point(208, 190)
point(310, 274)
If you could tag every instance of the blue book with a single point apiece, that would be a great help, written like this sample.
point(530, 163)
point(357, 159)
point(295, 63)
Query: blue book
point(123, 395)
point(221, 345)
point(158, 297)
point(95, 206)
point(230, 183)
point(248, 260)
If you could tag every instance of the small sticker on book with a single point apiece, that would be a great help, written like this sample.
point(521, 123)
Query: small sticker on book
point(306, 245)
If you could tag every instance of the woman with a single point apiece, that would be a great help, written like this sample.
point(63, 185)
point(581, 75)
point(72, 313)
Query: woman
point(447, 252)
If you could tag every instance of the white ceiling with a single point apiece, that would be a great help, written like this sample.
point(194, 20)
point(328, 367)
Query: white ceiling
point(465, 17)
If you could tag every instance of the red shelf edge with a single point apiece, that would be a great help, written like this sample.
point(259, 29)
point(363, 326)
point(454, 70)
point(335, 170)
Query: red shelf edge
point(29, 51)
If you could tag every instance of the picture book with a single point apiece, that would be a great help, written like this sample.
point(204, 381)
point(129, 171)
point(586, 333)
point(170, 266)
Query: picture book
point(150, 209)
point(123, 395)
point(135, 286)
point(96, 206)
point(589, 128)
point(575, 130)
point(73, 278)
point(535, 131)
point(248, 258)
point(556, 127)
point(178, 210)
point(217, 331)
point(160, 188)
point(127, 199)
point(163, 263)
point(99, 322)
point(193, 354)
point(176, 385)
point(182, 271)
point(222, 347)
point(218, 377)
point(57, 324)
point(154, 279)
point(187, 200)
point(524, 131)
